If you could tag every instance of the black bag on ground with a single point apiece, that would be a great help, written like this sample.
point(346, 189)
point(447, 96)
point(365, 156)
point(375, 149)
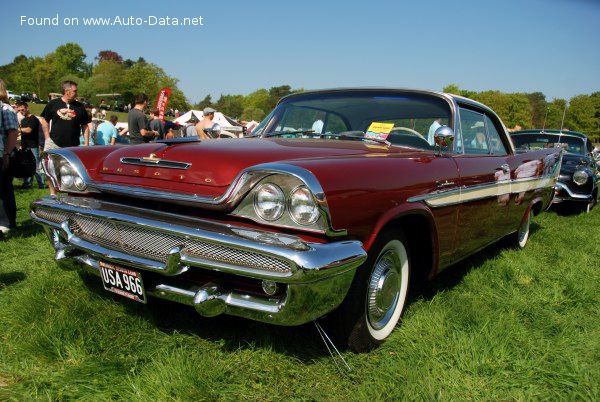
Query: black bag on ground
point(22, 163)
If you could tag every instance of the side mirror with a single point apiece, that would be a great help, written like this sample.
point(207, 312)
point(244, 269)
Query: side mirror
point(444, 138)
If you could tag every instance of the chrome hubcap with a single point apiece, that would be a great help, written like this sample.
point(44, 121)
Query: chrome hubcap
point(384, 290)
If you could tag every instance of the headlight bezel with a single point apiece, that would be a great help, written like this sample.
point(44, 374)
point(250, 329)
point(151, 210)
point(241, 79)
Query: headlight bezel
point(580, 177)
point(289, 184)
point(66, 175)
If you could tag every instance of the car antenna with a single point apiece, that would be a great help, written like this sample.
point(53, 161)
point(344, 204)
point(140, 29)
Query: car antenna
point(545, 117)
point(327, 341)
point(563, 118)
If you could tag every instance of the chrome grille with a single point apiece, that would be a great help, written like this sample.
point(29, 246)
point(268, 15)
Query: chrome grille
point(154, 244)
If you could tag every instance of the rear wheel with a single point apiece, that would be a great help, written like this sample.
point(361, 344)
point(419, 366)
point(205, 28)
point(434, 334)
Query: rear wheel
point(377, 297)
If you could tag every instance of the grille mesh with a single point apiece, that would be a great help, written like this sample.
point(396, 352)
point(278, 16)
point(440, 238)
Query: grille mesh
point(155, 245)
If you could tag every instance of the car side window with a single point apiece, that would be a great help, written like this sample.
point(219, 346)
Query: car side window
point(496, 144)
point(473, 132)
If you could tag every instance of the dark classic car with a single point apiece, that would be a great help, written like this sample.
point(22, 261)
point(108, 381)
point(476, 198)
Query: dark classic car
point(339, 199)
point(577, 185)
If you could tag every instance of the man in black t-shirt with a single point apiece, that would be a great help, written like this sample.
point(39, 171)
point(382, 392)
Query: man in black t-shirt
point(29, 130)
point(63, 121)
point(139, 133)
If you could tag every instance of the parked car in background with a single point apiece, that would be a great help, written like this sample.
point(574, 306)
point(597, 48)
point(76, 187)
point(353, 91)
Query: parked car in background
point(577, 185)
point(335, 205)
point(13, 96)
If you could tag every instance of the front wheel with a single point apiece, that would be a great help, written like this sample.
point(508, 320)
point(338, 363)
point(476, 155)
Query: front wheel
point(378, 295)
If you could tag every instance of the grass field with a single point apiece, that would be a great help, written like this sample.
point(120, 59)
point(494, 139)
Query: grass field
point(503, 325)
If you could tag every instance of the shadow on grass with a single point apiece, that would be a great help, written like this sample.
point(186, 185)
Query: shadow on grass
point(455, 274)
point(233, 333)
point(10, 278)
point(25, 229)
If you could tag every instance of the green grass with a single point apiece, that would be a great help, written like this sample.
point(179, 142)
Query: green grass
point(503, 325)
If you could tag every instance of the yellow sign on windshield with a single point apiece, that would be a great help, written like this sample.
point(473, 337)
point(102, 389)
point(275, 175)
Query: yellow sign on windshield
point(379, 130)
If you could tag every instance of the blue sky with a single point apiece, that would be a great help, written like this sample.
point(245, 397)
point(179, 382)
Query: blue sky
point(552, 46)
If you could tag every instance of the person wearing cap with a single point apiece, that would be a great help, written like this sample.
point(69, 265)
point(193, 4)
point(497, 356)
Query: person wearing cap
point(190, 128)
point(207, 124)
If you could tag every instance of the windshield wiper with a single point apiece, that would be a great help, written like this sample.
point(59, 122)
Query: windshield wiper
point(278, 133)
point(360, 136)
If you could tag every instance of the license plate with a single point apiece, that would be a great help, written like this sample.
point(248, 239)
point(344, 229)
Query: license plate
point(122, 281)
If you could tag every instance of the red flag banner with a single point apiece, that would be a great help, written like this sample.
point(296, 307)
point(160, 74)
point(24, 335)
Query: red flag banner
point(162, 100)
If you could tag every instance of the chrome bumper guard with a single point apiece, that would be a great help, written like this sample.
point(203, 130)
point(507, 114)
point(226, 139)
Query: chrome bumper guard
point(571, 195)
point(316, 276)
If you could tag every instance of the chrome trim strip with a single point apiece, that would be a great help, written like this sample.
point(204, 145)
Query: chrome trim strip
point(162, 163)
point(465, 194)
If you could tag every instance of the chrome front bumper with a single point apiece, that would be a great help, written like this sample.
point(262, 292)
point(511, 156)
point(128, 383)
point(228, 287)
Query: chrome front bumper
point(564, 193)
point(314, 277)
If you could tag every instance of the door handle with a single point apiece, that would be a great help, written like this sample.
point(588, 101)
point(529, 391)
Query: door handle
point(444, 184)
point(505, 168)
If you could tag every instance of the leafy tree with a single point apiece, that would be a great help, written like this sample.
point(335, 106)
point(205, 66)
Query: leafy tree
point(206, 102)
point(581, 114)
point(276, 93)
point(70, 58)
point(537, 101)
point(109, 55)
point(231, 105)
point(253, 113)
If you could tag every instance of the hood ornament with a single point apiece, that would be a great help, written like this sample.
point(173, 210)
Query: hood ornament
point(152, 160)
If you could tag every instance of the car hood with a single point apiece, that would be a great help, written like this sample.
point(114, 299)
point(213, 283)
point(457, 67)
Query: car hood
point(216, 163)
point(572, 162)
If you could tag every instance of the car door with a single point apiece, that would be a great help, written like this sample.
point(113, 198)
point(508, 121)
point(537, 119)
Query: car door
point(484, 181)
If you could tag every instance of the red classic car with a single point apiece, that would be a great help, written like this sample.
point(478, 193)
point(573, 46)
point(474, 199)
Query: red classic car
point(339, 200)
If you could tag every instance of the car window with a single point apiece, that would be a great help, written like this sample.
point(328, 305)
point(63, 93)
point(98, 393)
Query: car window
point(496, 144)
point(473, 132)
point(407, 120)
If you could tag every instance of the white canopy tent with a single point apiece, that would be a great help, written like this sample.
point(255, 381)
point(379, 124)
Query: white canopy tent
point(229, 127)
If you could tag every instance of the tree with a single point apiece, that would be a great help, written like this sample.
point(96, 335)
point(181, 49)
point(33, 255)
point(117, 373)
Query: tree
point(206, 102)
point(70, 58)
point(109, 55)
point(231, 105)
point(581, 114)
point(538, 104)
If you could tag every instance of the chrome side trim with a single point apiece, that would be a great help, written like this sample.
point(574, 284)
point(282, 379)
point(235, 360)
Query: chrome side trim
point(466, 194)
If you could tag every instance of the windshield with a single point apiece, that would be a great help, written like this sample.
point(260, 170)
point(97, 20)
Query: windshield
point(543, 140)
point(406, 119)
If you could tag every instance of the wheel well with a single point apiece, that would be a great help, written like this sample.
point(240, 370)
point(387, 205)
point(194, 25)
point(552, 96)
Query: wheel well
point(418, 235)
point(536, 208)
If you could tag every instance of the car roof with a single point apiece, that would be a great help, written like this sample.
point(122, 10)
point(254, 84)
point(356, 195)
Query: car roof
point(446, 95)
point(542, 131)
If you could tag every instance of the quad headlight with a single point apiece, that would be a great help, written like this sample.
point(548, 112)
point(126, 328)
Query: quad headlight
point(580, 177)
point(65, 176)
point(285, 201)
point(303, 208)
point(269, 202)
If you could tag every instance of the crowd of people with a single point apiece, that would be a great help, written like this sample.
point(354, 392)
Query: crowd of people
point(66, 122)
